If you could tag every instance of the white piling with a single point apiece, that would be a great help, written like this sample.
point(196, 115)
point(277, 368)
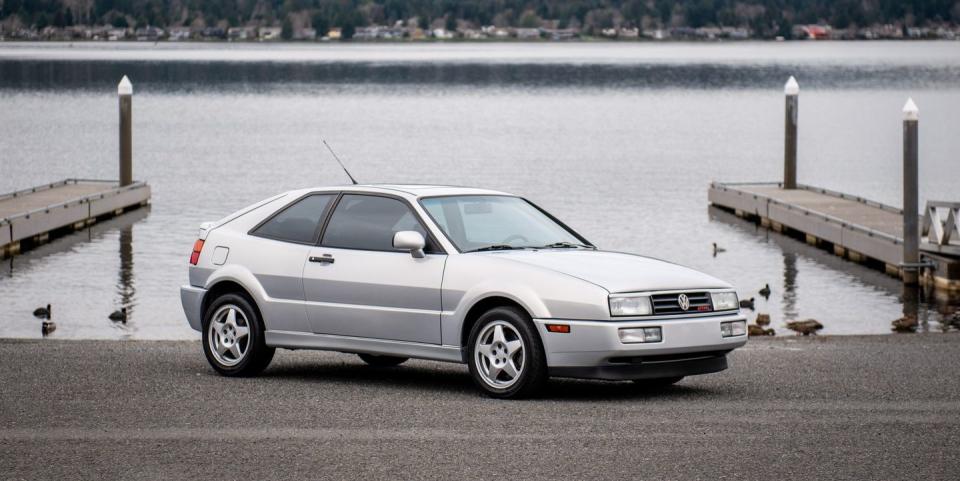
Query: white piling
point(911, 188)
point(792, 92)
point(125, 93)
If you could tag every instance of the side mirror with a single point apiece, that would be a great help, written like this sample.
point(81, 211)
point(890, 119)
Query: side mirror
point(411, 241)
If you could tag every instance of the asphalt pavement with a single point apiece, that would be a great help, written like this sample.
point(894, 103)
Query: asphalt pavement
point(880, 407)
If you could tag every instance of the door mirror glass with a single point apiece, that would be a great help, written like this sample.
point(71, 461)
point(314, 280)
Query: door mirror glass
point(410, 240)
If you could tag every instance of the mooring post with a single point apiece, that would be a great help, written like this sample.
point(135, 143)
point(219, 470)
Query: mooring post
point(792, 91)
point(125, 92)
point(911, 187)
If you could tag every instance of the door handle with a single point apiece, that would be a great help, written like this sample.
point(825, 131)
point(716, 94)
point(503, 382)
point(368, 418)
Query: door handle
point(326, 259)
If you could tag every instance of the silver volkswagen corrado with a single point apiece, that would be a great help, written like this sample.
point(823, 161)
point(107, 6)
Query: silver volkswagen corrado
point(391, 272)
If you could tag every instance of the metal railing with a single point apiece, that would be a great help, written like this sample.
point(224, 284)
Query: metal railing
point(940, 229)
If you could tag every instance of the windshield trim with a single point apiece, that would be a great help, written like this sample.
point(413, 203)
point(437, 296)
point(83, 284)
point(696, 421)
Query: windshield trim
point(550, 216)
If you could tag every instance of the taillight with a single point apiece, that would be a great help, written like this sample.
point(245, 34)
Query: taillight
point(197, 247)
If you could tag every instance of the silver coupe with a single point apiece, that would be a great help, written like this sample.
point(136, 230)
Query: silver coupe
point(486, 278)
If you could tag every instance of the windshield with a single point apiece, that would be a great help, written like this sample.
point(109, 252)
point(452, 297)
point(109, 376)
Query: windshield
point(493, 222)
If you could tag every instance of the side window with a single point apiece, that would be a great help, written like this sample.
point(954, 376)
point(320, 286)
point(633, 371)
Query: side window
point(368, 222)
point(298, 222)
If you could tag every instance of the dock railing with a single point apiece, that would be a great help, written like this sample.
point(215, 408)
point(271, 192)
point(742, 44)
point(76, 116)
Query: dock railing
point(939, 229)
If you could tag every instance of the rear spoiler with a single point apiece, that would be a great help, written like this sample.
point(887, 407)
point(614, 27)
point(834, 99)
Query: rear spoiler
point(205, 229)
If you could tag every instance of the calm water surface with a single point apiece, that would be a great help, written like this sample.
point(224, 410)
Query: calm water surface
point(618, 140)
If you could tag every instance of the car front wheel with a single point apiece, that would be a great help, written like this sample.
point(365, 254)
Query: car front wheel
point(233, 337)
point(506, 357)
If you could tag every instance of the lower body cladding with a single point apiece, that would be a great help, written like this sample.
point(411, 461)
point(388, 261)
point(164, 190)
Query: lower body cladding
point(680, 347)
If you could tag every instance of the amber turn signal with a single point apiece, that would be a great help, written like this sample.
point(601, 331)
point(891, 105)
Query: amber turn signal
point(558, 328)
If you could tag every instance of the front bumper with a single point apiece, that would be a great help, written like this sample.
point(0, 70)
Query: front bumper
point(592, 349)
point(650, 367)
point(192, 300)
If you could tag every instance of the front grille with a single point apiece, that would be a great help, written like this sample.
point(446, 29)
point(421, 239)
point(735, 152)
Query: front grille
point(670, 304)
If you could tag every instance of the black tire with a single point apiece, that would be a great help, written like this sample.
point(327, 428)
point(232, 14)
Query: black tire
point(533, 373)
point(382, 361)
point(658, 383)
point(257, 355)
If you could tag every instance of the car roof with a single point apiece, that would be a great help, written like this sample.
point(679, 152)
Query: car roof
point(414, 191)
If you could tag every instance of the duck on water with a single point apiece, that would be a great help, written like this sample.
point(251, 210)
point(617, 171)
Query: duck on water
point(119, 316)
point(42, 312)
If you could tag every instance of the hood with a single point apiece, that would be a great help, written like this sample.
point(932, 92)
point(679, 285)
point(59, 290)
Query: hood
point(616, 271)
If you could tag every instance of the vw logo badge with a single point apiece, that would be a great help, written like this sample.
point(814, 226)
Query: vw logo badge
point(684, 301)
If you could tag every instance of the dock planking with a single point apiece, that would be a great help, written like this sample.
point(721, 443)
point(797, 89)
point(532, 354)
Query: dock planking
point(31, 216)
point(870, 215)
point(856, 228)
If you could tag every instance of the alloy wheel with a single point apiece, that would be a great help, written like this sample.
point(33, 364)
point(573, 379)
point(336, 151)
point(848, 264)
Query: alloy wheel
point(229, 335)
point(499, 354)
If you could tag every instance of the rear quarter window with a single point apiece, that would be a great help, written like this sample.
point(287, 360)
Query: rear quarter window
point(299, 222)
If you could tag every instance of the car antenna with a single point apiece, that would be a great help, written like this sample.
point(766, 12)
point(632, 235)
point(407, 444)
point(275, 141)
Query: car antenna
point(339, 162)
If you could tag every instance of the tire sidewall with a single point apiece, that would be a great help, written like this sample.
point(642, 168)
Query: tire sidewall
point(534, 361)
point(256, 349)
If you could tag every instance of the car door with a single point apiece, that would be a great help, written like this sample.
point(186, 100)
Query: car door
point(275, 253)
point(357, 284)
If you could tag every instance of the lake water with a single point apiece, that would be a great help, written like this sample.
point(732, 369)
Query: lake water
point(618, 140)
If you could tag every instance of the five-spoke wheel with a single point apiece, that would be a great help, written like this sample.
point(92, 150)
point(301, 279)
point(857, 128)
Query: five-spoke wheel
point(499, 354)
point(506, 357)
point(233, 337)
point(229, 335)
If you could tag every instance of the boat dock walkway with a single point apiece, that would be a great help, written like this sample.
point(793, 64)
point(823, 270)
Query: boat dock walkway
point(858, 229)
point(30, 216)
point(855, 228)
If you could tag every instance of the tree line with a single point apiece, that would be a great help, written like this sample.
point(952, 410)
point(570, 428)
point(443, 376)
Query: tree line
point(764, 17)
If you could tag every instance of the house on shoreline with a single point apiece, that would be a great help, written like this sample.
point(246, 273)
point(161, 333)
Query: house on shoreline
point(411, 31)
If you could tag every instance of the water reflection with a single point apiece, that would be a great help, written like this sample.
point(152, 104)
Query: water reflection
point(911, 305)
point(125, 281)
point(22, 263)
point(790, 285)
point(936, 310)
point(65, 303)
point(166, 76)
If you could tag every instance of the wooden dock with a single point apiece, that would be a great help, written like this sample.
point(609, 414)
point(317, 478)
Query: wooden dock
point(31, 216)
point(858, 229)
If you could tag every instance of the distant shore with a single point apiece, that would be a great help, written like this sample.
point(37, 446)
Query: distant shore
point(591, 40)
point(550, 32)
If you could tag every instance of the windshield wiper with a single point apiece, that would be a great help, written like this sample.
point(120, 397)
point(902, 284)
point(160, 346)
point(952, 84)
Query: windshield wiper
point(565, 245)
point(496, 247)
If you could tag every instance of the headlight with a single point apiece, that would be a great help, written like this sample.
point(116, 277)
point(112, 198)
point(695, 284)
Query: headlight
point(724, 301)
point(630, 306)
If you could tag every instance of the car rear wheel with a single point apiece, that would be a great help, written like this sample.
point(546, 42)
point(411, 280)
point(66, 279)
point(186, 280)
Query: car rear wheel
point(506, 357)
point(382, 361)
point(233, 337)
